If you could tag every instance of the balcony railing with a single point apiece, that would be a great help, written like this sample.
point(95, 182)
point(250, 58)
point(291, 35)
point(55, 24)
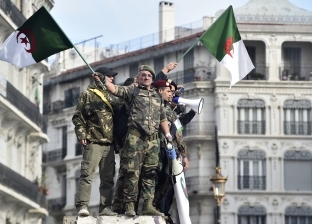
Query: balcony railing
point(54, 156)
point(197, 184)
point(251, 182)
point(199, 128)
point(21, 185)
point(296, 73)
point(13, 12)
point(260, 72)
point(251, 127)
point(22, 103)
point(56, 204)
point(297, 127)
point(201, 73)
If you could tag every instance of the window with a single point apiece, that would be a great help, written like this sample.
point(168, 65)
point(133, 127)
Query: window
point(78, 149)
point(71, 97)
point(298, 170)
point(292, 56)
point(133, 70)
point(297, 117)
point(158, 64)
point(189, 71)
point(251, 116)
point(298, 215)
point(251, 215)
point(64, 141)
point(251, 170)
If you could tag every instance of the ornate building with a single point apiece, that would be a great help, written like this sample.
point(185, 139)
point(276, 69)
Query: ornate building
point(22, 126)
point(264, 121)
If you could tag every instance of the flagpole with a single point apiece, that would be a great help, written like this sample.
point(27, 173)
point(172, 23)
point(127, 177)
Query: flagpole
point(192, 45)
point(70, 42)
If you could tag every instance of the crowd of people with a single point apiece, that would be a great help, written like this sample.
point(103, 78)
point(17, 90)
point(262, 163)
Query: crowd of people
point(152, 121)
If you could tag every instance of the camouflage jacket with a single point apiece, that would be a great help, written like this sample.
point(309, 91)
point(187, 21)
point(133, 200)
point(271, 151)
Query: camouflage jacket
point(147, 110)
point(93, 119)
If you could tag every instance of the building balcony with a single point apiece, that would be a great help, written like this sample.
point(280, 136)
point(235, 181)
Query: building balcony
point(198, 184)
point(251, 182)
point(260, 72)
point(199, 73)
point(199, 128)
point(23, 104)
point(251, 127)
point(8, 7)
point(21, 185)
point(56, 204)
point(297, 127)
point(295, 73)
point(54, 155)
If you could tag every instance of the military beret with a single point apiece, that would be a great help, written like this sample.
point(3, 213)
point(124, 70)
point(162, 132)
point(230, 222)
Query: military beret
point(106, 71)
point(172, 83)
point(161, 83)
point(147, 68)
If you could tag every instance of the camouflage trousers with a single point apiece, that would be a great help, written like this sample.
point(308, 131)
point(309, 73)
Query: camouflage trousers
point(95, 155)
point(138, 157)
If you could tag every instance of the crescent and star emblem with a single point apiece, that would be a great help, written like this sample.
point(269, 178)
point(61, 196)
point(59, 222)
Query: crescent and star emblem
point(28, 39)
point(228, 46)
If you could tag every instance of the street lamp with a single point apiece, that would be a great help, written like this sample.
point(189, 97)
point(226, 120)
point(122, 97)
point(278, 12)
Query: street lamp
point(218, 181)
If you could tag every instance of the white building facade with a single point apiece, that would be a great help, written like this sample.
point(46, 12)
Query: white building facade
point(264, 121)
point(22, 126)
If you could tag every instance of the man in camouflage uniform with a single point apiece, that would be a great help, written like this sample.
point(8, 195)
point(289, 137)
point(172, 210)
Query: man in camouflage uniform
point(141, 148)
point(93, 120)
point(118, 200)
point(164, 188)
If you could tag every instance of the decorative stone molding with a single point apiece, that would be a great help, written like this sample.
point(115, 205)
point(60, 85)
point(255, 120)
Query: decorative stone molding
point(225, 147)
point(274, 148)
point(298, 155)
point(275, 203)
point(297, 37)
point(226, 203)
point(273, 39)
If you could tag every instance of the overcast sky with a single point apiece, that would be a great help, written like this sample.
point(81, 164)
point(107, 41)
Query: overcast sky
point(122, 20)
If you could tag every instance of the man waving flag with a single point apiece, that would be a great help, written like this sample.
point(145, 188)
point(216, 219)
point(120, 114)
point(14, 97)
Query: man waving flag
point(37, 39)
point(224, 42)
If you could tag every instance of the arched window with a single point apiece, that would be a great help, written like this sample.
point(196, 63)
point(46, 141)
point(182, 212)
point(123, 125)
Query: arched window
point(251, 215)
point(297, 117)
point(251, 170)
point(298, 215)
point(251, 116)
point(298, 170)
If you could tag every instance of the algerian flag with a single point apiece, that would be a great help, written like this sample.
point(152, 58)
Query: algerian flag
point(222, 39)
point(37, 39)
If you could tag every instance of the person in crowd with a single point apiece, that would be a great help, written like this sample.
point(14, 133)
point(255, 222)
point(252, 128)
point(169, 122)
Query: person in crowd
point(164, 192)
point(93, 120)
point(141, 147)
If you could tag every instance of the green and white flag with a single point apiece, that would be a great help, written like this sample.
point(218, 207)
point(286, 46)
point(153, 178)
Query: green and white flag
point(223, 41)
point(37, 39)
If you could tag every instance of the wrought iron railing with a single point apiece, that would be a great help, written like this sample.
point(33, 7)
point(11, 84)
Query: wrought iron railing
point(54, 156)
point(56, 204)
point(201, 73)
point(13, 12)
point(260, 72)
point(22, 103)
point(297, 127)
point(21, 185)
point(252, 182)
point(251, 127)
point(198, 184)
point(199, 128)
point(296, 73)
